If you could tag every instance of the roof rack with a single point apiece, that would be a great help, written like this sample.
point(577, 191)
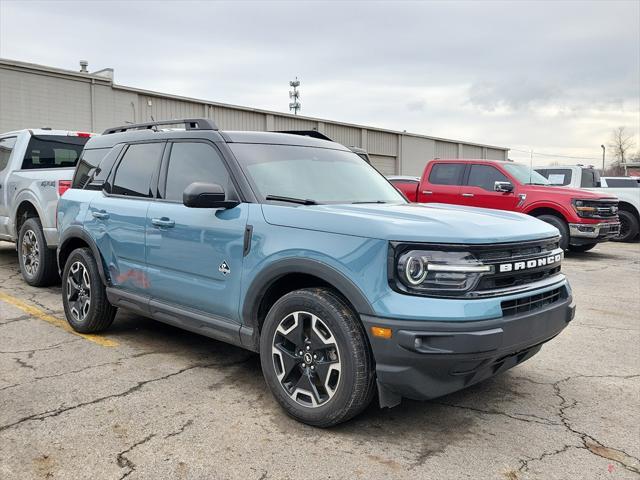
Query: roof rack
point(189, 124)
point(306, 133)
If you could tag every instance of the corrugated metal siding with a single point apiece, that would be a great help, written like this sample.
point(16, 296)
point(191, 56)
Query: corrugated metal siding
point(288, 123)
point(495, 154)
point(446, 149)
point(167, 109)
point(385, 165)
point(349, 136)
point(382, 143)
point(471, 151)
point(234, 119)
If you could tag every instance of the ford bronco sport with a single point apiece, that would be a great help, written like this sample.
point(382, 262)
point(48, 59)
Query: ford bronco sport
point(296, 248)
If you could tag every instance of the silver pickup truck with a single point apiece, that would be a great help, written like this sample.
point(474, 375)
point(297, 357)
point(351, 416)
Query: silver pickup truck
point(36, 167)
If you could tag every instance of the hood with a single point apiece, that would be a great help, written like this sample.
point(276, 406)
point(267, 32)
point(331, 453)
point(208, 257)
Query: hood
point(570, 192)
point(415, 222)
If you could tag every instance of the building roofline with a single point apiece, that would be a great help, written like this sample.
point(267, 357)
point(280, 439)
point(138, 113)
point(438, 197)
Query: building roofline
point(16, 64)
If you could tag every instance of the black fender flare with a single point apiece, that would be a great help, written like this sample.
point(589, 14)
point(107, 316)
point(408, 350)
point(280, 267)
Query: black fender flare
point(76, 232)
point(267, 277)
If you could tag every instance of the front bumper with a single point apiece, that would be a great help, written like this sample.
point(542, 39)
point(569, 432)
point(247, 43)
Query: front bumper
point(593, 231)
point(424, 360)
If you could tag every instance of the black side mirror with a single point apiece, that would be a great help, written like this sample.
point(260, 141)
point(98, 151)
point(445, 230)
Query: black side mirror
point(504, 187)
point(206, 195)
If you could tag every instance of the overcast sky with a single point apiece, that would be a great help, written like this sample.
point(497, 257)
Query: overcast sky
point(555, 77)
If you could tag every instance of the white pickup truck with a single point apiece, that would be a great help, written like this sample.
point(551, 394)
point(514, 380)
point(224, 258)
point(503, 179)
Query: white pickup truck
point(36, 167)
point(579, 176)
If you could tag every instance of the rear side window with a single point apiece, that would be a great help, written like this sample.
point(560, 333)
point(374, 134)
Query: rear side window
point(95, 166)
point(136, 169)
point(485, 177)
point(53, 151)
point(194, 162)
point(614, 182)
point(446, 174)
point(558, 176)
point(590, 179)
point(6, 147)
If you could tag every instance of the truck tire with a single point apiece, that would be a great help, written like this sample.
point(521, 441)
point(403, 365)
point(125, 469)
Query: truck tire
point(316, 358)
point(582, 248)
point(628, 227)
point(38, 263)
point(83, 294)
point(562, 227)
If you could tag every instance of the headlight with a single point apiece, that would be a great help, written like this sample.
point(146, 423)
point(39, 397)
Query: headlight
point(439, 272)
point(585, 208)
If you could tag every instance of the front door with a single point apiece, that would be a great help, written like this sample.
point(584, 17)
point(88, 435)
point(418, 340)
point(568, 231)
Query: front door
point(194, 255)
point(479, 188)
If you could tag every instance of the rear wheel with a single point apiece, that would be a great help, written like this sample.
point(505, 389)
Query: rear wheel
point(37, 262)
point(83, 294)
point(562, 227)
point(582, 248)
point(628, 227)
point(316, 358)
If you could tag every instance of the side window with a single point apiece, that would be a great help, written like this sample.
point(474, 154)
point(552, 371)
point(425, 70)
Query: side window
point(135, 171)
point(559, 176)
point(194, 162)
point(590, 179)
point(485, 176)
point(6, 147)
point(89, 160)
point(446, 174)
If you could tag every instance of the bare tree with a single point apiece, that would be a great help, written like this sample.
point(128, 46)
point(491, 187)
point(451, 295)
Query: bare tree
point(621, 143)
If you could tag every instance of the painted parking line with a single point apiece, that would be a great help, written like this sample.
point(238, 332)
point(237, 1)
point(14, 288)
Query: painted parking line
point(58, 322)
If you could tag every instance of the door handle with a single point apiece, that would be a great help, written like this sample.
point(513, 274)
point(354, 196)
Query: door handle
point(467, 194)
point(427, 192)
point(100, 215)
point(163, 222)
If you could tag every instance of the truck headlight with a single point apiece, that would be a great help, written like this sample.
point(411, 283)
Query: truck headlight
point(584, 208)
point(439, 273)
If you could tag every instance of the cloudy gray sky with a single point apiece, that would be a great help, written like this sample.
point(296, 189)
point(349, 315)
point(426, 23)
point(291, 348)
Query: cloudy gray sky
point(555, 77)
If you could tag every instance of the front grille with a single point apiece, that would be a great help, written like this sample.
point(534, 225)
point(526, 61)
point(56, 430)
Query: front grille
point(531, 303)
point(604, 208)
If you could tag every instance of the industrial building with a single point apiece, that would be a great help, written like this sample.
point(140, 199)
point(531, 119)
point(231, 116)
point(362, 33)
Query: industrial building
point(36, 96)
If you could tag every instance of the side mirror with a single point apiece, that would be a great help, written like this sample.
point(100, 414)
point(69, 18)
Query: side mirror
point(206, 195)
point(504, 187)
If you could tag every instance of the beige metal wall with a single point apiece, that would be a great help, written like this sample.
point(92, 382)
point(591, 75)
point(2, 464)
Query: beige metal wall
point(36, 96)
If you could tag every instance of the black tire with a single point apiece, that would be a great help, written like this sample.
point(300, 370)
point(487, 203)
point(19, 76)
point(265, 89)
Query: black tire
point(353, 387)
point(562, 227)
point(582, 248)
point(99, 313)
point(628, 227)
point(38, 263)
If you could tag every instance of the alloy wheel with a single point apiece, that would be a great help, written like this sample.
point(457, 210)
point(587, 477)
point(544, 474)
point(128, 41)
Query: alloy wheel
point(30, 253)
point(79, 291)
point(306, 359)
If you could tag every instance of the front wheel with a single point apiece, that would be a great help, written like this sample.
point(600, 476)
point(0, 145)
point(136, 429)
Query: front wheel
point(37, 262)
point(582, 248)
point(316, 358)
point(562, 227)
point(628, 227)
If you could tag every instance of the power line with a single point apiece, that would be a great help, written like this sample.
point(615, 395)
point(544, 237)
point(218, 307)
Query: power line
point(555, 155)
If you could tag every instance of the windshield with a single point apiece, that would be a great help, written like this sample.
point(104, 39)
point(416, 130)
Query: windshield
point(315, 175)
point(525, 175)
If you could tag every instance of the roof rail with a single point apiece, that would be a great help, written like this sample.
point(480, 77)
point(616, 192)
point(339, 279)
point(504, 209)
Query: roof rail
point(189, 124)
point(306, 133)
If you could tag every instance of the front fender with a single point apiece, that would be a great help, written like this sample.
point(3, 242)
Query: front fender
point(558, 207)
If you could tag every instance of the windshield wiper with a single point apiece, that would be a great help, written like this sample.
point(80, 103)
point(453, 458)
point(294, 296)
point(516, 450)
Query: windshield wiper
point(301, 201)
point(369, 201)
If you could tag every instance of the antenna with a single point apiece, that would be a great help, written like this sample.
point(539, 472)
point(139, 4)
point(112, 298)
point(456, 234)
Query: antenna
point(295, 96)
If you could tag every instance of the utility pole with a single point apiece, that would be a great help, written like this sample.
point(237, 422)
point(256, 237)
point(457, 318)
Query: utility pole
point(602, 146)
point(295, 96)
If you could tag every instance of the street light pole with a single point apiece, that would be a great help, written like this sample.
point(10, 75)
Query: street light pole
point(602, 146)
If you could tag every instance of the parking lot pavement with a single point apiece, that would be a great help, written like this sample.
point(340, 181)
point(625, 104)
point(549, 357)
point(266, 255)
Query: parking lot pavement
point(150, 401)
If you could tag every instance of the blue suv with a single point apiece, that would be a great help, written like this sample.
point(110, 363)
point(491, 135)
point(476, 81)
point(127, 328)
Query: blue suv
point(296, 248)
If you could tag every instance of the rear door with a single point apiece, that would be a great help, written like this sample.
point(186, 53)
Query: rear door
point(443, 183)
point(117, 219)
point(194, 255)
point(478, 189)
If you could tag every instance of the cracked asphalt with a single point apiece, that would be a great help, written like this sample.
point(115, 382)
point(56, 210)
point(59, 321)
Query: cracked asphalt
point(150, 401)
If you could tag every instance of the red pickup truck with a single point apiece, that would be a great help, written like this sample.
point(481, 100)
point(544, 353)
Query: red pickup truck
point(583, 218)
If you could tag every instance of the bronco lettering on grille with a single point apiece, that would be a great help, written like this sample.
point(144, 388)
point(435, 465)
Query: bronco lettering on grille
point(534, 263)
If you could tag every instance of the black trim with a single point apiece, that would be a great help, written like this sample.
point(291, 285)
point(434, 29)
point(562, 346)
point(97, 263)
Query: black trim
point(75, 232)
point(248, 233)
point(189, 124)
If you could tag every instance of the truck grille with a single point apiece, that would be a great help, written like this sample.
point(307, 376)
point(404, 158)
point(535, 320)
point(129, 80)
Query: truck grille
point(607, 209)
point(533, 302)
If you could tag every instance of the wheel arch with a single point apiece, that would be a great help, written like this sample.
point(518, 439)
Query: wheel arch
point(629, 207)
point(26, 209)
point(76, 237)
point(547, 210)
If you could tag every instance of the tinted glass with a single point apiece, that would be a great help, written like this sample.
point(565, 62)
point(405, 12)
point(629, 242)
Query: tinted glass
point(53, 151)
point(446, 174)
point(85, 169)
point(590, 178)
point(558, 176)
point(620, 183)
point(320, 174)
point(134, 173)
point(485, 176)
point(6, 146)
point(194, 162)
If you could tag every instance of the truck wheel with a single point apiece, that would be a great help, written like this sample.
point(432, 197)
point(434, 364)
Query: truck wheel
point(582, 248)
point(83, 294)
point(37, 262)
point(316, 358)
point(561, 225)
point(628, 227)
